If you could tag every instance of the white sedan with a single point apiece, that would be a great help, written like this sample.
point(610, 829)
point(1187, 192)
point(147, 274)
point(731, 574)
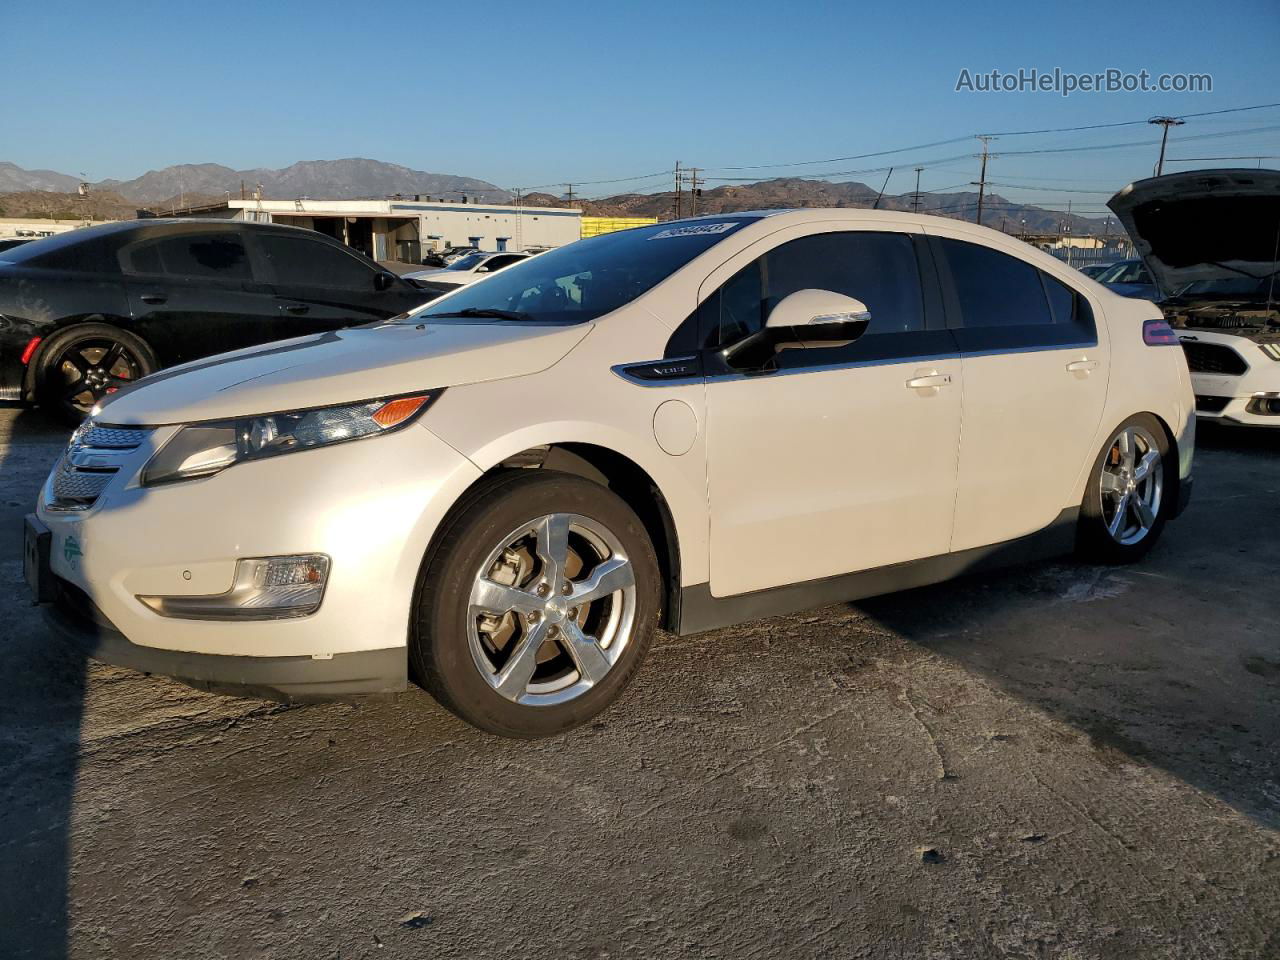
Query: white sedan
point(465, 270)
point(503, 494)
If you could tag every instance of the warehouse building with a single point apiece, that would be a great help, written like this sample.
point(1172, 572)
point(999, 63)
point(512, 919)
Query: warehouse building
point(406, 230)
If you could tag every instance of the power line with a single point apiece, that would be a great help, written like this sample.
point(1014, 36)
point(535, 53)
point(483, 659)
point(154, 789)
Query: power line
point(1129, 123)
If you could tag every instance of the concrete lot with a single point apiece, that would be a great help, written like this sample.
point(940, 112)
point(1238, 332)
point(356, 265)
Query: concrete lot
point(1061, 761)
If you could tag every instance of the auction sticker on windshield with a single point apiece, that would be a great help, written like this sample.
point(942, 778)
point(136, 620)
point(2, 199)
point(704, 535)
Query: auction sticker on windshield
point(697, 230)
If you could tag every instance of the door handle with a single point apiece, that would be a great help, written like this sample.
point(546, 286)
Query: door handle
point(933, 380)
point(295, 308)
point(1079, 366)
point(154, 298)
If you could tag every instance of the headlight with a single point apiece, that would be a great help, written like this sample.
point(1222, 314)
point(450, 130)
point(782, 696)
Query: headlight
point(203, 449)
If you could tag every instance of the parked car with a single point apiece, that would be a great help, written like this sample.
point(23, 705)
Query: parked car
point(8, 243)
point(1211, 236)
point(442, 258)
point(1129, 278)
point(86, 312)
point(463, 271)
point(686, 425)
point(1094, 270)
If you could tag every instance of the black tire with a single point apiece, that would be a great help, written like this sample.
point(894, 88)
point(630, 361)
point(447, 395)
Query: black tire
point(61, 356)
point(440, 653)
point(1094, 541)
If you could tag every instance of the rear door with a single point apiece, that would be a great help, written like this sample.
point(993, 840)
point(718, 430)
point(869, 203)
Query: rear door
point(320, 286)
point(193, 292)
point(1035, 381)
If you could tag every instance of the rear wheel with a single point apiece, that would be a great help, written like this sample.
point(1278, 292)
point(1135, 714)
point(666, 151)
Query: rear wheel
point(85, 364)
point(538, 605)
point(1129, 495)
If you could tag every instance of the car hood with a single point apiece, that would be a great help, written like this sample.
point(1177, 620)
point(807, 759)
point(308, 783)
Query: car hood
point(1203, 224)
point(343, 366)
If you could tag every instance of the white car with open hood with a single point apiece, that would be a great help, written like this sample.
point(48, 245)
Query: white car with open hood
point(1212, 237)
point(503, 494)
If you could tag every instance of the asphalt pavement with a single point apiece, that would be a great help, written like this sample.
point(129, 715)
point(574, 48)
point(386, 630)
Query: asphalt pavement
point(1059, 761)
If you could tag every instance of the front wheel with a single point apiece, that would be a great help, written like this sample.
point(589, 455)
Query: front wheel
point(1129, 495)
point(538, 605)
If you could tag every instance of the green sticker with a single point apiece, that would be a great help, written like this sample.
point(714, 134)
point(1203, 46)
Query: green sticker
point(71, 550)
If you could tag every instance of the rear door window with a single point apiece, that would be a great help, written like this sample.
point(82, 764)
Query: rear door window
point(301, 262)
point(1000, 302)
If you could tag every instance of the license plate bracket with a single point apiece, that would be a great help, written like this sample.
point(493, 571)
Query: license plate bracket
point(36, 543)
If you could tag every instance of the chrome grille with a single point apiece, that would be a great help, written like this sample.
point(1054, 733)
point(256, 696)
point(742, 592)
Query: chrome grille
point(92, 458)
point(112, 438)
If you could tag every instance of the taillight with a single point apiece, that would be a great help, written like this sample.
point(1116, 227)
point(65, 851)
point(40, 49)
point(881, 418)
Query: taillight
point(1158, 333)
point(30, 349)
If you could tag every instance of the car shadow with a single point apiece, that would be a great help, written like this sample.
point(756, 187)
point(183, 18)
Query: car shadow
point(1173, 662)
point(42, 691)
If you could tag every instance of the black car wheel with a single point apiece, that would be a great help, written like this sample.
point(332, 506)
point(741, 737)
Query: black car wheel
point(85, 364)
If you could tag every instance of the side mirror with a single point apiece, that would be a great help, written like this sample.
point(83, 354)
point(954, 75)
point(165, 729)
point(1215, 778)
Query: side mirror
point(384, 280)
point(806, 318)
point(816, 310)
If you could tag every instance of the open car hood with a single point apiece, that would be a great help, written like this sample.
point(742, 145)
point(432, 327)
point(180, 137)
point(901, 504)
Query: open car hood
point(343, 366)
point(1203, 224)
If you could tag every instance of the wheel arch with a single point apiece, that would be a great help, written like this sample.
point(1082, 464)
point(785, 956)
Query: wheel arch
point(622, 475)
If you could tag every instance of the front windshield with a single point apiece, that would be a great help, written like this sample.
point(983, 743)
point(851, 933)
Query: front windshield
point(468, 262)
point(587, 279)
point(1246, 287)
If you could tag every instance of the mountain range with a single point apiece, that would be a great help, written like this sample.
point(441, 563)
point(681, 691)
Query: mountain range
point(997, 211)
point(352, 178)
point(48, 193)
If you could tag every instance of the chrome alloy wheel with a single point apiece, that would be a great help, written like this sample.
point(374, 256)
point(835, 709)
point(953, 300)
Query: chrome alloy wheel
point(1132, 485)
point(551, 610)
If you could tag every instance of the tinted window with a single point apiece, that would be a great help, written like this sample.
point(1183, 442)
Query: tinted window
point(1062, 299)
point(497, 263)
point(214, 256)
point(311, 263)
point(84, 249)
point(587, 279)
point(877, 268)
point(993, 289)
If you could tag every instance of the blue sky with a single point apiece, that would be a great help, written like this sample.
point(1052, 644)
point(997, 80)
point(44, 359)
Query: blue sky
point(532, 93)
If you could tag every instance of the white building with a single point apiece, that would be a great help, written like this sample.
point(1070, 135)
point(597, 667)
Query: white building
point(404, 230)
point(34, 228)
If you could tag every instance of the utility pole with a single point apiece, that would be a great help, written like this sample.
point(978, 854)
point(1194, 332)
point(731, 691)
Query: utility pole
point(880, 195)
point(569, 193)
point(519, 191)
point(915, 199)
point(679, 185)
point(1165, 122)
point(695, 190)
point(981, 182)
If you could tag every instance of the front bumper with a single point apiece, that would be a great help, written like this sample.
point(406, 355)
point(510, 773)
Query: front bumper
point(1233, 399)
point(75, 618)
point(371, 506)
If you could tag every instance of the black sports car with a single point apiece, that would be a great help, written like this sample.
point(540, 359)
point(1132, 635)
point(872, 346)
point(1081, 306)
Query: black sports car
point(87, 312)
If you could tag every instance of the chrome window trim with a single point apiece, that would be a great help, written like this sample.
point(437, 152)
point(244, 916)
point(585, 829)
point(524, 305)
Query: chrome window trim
point(620, 369)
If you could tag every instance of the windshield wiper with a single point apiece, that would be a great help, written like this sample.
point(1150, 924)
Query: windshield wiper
point(483, 313)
